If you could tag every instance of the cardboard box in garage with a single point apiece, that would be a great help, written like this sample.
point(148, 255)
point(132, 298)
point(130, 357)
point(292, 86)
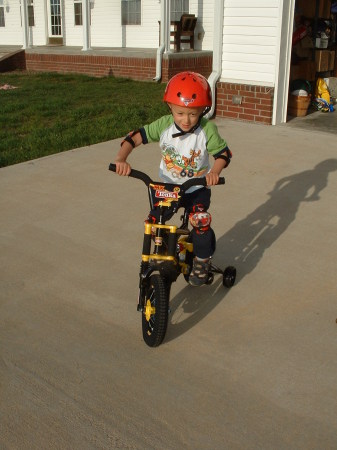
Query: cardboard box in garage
point(308, 8)
point(332, 56)
point(322, 58)
point(304, 70)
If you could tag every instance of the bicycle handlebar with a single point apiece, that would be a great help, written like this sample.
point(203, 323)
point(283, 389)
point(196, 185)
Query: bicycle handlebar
point(184, 186)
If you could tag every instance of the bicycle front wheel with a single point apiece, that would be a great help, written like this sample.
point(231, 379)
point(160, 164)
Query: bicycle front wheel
point(155, 314)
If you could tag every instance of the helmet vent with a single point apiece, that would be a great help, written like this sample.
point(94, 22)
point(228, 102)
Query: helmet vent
point(187, 89)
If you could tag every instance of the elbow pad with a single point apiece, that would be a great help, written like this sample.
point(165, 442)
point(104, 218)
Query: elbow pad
point(226, 155)
point(128, 138)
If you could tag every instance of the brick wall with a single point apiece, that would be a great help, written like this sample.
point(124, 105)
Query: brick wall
point(131, 67)
point(173, 64)
point(256, 105)
point(97, 66)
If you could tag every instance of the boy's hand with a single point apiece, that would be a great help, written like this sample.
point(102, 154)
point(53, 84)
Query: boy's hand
point(212, 178)
point(123, 168)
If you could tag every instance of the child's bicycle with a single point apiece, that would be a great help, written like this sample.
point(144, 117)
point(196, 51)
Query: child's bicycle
point(167, 252)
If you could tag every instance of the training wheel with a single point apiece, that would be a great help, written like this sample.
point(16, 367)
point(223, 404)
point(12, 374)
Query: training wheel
point(229, 276)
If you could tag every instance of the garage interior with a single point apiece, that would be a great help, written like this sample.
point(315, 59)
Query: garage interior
point(312, 100)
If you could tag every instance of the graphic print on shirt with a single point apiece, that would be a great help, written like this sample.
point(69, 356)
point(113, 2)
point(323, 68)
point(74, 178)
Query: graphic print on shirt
point(181, 166)
point(191, 161)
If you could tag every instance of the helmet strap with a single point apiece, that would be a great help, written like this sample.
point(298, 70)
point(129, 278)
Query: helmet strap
point(192, 130)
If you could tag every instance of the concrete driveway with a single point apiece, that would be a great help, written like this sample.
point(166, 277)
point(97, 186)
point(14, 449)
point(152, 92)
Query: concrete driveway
point(253, 367)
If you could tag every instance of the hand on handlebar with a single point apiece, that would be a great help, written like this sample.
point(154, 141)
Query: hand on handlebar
point(123, 168)
point(212, 178)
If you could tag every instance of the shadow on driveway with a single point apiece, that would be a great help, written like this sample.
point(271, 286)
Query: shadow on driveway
point(245, 243)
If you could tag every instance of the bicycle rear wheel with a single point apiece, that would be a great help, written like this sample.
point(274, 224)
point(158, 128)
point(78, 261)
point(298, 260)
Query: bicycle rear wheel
point(155, 314)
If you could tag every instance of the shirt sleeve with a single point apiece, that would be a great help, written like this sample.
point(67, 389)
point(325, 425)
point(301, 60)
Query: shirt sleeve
point(215, 143)
point(153, 131)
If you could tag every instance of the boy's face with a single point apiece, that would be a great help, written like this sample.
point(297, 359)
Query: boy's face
point(185, 118)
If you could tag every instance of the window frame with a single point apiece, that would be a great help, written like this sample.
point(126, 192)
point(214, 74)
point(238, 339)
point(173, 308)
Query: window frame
point(131, 17)
point(30, 10)
point(2, 14)
point(178, 8)
point(78, 14)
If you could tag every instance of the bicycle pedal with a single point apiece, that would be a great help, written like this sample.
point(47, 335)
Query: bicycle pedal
point(210, 278)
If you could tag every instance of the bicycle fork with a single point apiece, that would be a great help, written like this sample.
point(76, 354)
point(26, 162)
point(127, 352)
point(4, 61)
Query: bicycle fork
point(155, 257)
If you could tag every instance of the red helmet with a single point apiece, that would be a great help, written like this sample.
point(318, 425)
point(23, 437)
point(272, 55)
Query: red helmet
point(188, 89)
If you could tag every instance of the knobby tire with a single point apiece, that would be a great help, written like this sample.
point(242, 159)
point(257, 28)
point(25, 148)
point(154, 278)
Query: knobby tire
point(154, 324)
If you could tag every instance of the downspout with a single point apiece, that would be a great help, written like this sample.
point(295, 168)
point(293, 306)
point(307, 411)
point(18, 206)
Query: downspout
point(165, 14)
point(25, 26)
point(46, 28)
point(217, 50)
point(86, 25)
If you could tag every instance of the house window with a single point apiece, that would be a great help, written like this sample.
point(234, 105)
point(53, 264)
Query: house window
point(2, 13)
point(131, 12)
point(30, 7)
point(179, 7)
point(55, 17)
point(78, 12)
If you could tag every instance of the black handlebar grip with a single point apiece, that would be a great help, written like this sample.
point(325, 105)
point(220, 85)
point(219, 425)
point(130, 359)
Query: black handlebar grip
point(147, 180)
point(134, 174)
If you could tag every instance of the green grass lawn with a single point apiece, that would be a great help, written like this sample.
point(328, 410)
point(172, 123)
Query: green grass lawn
point(50, 113)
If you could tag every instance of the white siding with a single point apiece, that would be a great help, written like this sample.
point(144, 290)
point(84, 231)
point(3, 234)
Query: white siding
point(145, 35)
point(250, 34)
point(250, 39)
point(38, 33)
point(106, 29)
point(72, 34)
point(11, 33)
point(204, 11)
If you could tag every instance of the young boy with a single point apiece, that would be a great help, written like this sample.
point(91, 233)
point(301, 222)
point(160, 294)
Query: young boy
point(186, 140)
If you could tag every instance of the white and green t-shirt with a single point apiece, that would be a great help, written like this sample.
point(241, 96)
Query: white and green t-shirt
point(184, 156)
